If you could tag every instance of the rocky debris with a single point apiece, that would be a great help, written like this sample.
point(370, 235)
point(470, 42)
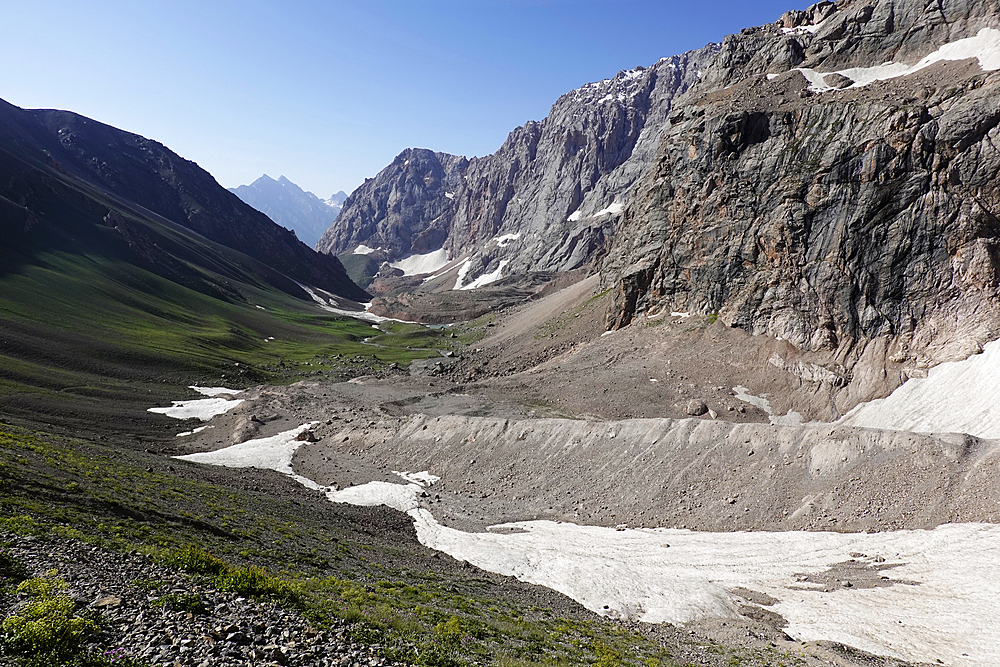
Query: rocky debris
point(166, 618)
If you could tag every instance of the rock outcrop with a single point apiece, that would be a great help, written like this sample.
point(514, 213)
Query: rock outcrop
point(858, 220)
point(558, 183)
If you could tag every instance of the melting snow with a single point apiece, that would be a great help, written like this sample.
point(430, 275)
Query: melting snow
point(273, 453)
point(201, 408)
point(413, 265)
point(484, 279)
point(958, 397)
point(941, 600)
point(791, 419)
point(215, 391)
point(985, 47)
point(192, 432)
point(422, 478)
point(504, 240)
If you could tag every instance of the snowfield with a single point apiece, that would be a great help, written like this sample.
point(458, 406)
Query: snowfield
point(912, 594)
point(958, 397)
point(413, 265)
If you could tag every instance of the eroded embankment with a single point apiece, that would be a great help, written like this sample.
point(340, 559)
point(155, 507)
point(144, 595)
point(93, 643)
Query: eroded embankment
point(694, 473)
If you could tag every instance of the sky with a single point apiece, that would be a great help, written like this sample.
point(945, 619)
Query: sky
point(328, 93)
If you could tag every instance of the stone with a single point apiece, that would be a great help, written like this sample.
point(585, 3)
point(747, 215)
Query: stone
point(696, 408)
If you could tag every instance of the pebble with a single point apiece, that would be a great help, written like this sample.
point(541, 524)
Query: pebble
point(231, 632)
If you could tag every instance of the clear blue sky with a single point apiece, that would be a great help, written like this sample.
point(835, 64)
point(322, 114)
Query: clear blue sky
point(327, 93)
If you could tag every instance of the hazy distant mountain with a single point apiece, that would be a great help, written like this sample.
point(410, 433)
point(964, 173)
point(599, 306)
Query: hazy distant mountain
point(291, 206)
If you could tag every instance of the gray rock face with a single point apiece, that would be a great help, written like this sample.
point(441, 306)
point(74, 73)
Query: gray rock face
point(828, 219)
point(551, 182)
point(405, 209)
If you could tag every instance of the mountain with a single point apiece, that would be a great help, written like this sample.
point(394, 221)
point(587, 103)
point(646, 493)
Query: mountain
point(845, 201)
point(292, 207)
point(75, 161)
point(336, 201)
point(829, 180)
point(558, 183)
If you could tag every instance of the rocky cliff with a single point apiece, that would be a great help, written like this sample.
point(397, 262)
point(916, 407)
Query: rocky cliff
point(800, 197)
point(558, 183)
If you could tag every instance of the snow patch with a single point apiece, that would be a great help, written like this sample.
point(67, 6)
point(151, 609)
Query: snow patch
point(413, 265)
point(215, 391)
point(192, 432)
point(575, 215)
point(273, 453)
point(422, 478)
point(449, 195)
point(200, 408)
point(486, 278)
point(941, 601)
point(985, 47)
point(362, 249)
point(956, 397)
point(791, 419)
point(613, 208)
point(506, 239)
point(364, 315)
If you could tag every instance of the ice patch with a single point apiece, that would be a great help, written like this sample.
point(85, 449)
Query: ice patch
point(956, 397)
point(362, 249)
point(413, 265)
point(985, 47)
point(486, 278)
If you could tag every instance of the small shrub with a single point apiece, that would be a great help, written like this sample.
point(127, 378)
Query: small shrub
point(193, 558)
point(255, 582)
point(46, 625)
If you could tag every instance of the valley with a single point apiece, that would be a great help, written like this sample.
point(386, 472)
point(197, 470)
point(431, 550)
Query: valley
point(699, 369)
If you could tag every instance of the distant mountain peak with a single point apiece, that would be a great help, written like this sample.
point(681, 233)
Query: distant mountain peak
point(290, 206)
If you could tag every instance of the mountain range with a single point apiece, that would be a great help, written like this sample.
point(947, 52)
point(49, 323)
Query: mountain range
point(291, 206)
point(829, 179)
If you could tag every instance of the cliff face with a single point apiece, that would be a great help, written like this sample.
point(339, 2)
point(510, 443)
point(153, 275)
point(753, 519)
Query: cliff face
point(797, 205)
point(552, 181)
point(405, 209)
